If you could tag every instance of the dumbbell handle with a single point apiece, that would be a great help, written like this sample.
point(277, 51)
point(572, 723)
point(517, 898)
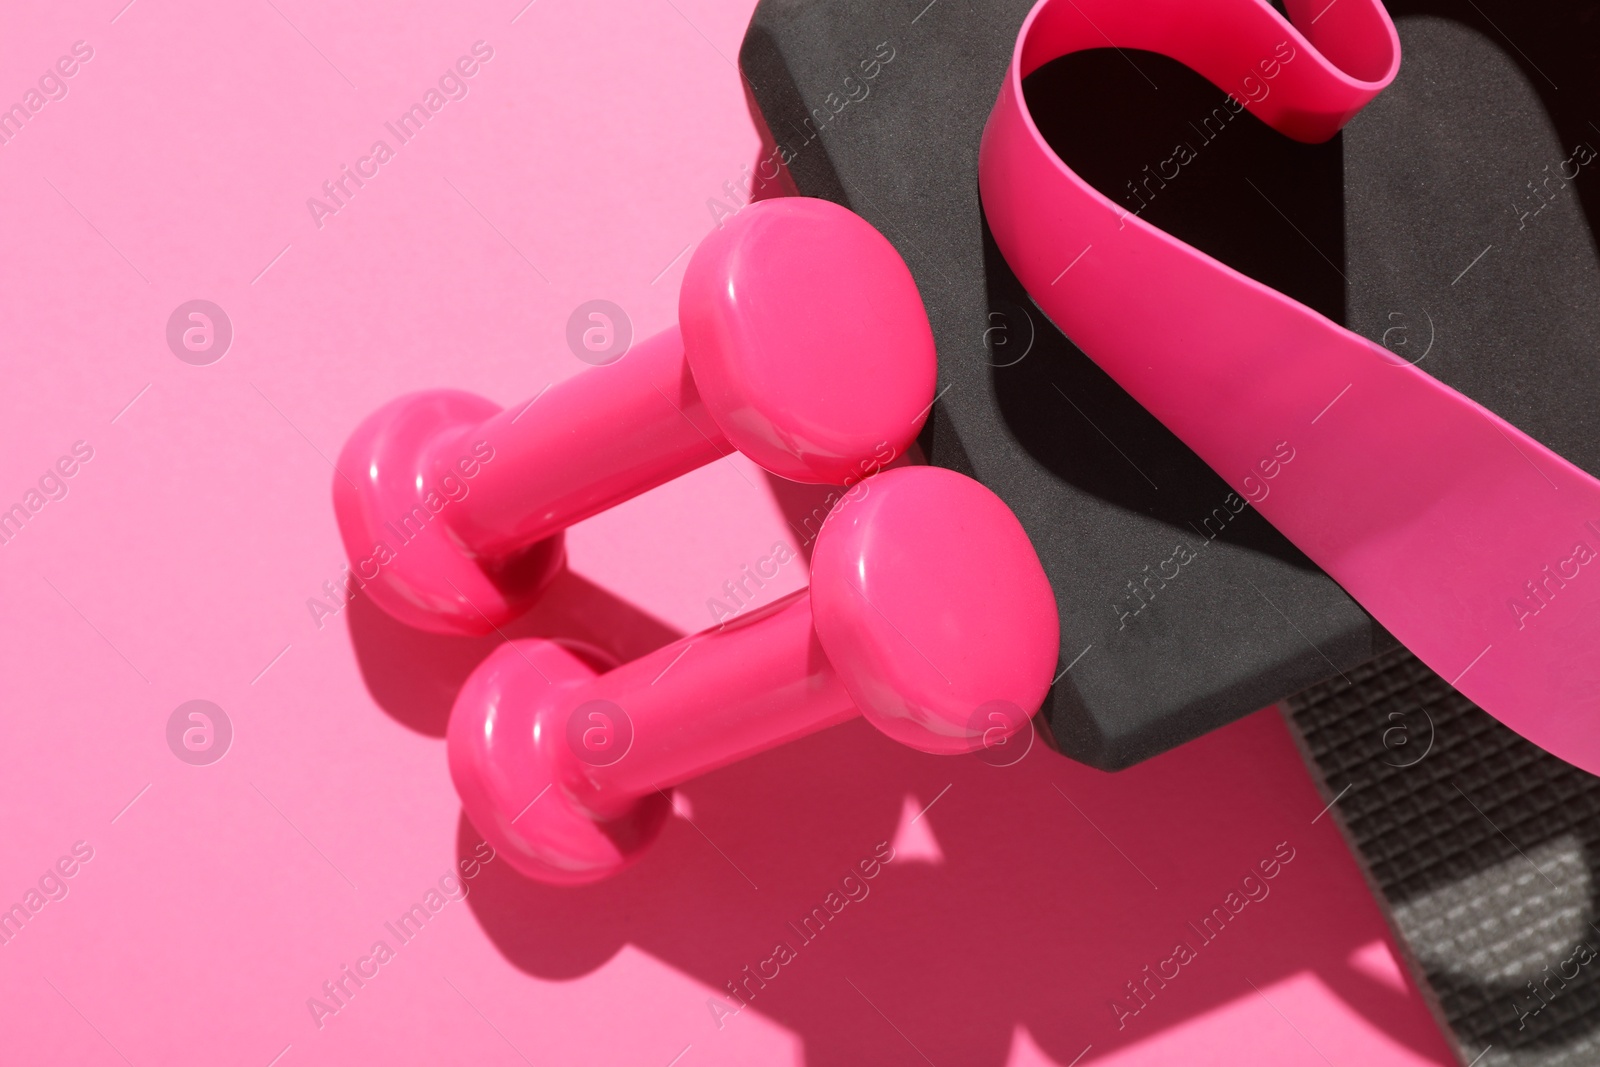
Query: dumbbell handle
point(710, 700)
point(592, 441)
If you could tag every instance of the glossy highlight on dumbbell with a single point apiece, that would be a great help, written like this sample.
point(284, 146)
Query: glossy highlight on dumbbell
point(802, 342)
point(928, 614)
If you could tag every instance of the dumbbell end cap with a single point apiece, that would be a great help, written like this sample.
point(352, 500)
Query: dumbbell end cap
point(393, 512)
point(510, 762)
point(933, 607)
point(808, 340)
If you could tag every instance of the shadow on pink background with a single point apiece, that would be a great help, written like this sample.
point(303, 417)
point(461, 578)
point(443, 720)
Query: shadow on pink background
point(181, 562)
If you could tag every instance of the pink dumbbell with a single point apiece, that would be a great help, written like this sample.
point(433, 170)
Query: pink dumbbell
point(928, 613)
point(802, 342)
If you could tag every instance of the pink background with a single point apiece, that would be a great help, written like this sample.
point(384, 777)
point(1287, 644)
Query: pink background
point(180, 563)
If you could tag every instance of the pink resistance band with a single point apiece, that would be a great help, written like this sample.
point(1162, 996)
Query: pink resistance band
point(1472, 543)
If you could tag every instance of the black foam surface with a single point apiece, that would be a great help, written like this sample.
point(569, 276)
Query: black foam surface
point(1484, 849)
point(881, 107)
